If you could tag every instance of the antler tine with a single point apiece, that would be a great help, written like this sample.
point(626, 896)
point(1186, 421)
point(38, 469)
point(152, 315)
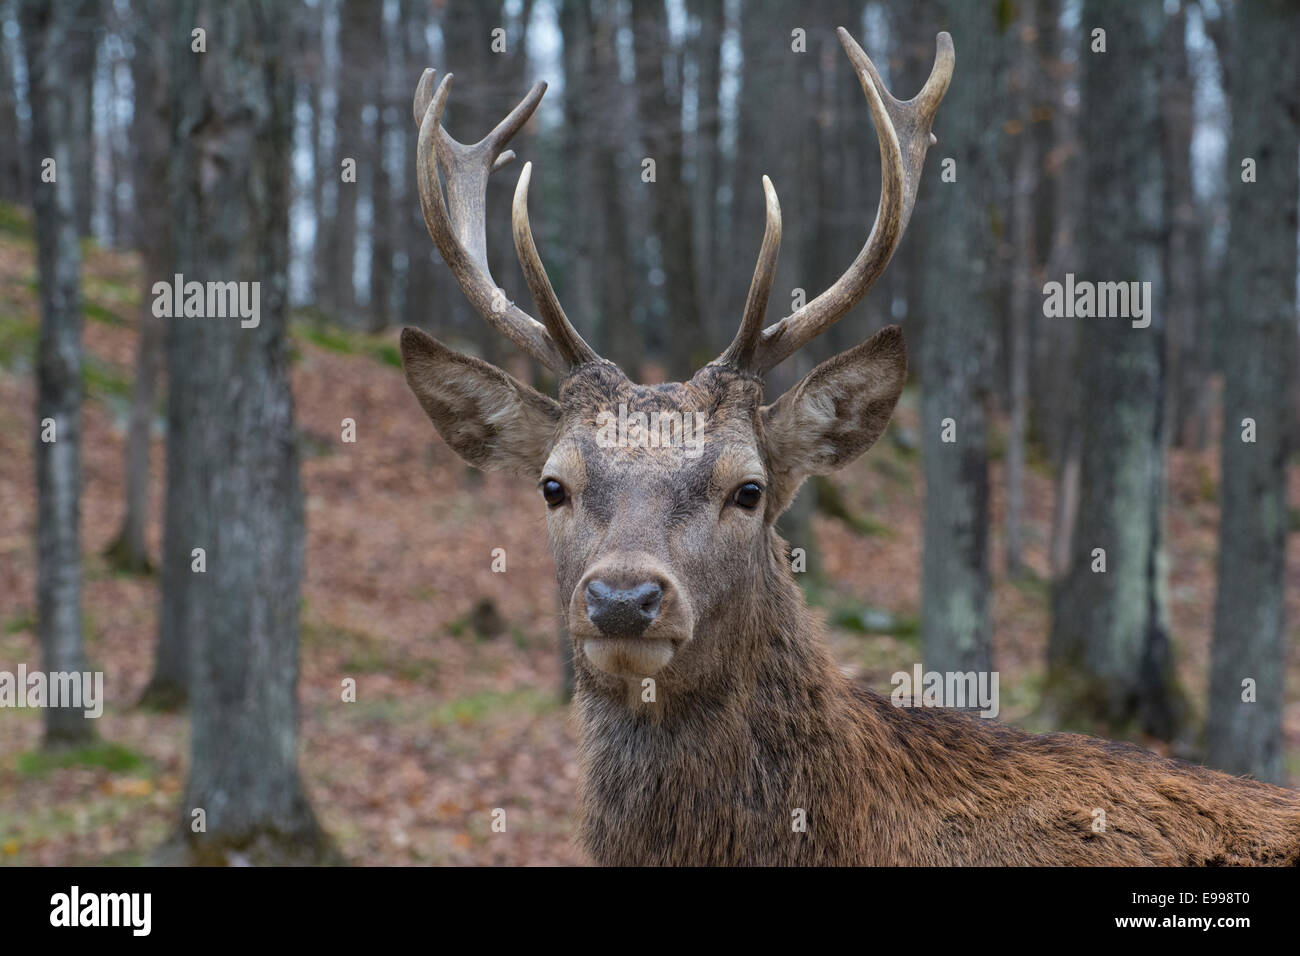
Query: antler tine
point(740, 354)
point(911, 119)
point(903, 129)
point(563, 333)
point(456, 221)
point(423, 95)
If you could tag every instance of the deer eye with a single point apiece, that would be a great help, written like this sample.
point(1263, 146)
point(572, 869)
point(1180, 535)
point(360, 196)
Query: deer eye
point(748, 495)
point(553, 492)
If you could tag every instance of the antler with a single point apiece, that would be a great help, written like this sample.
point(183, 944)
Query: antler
point(458, 225)
point(903, 129)
point(539, 285)
point(741, 351)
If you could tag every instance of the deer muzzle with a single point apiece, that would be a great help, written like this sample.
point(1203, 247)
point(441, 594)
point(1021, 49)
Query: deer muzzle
point(629, 618)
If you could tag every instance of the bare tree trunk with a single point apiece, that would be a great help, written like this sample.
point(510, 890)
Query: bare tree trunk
point(1187, 397)
point(1293, 401)
point(746, 208)
point(389, 116)
point(1065, 505)
point(357, 36)
point(418, 289)
point(619, 281)
point(149, 136)
point(13, 176)
point(659, 82)
point(707, 54)
point(48, 40)
point(583, 215)
point(1109, 655)
point(246, 510)
point(1024, 270)
point(956, 626)
point(168, 687)
point(1248, 657)
point(325, 185)
point(1054, 397)
point(1053, 385)
point(179, 610)
point(84, 40)
point(105, 144)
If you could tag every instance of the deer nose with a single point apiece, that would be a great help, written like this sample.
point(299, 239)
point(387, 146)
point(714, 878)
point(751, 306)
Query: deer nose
point(623, 611)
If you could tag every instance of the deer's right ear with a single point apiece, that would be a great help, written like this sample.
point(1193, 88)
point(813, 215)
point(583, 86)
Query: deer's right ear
point(490, 419)
point(835, 414)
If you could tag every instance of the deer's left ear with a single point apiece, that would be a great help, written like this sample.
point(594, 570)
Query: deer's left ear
point(835, 414)
point(490, 419)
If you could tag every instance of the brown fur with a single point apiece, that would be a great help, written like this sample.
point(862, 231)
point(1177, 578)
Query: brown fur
point(751, 720)
point(713, 778)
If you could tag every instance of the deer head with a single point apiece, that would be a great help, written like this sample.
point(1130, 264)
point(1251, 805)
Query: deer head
point(661, 500)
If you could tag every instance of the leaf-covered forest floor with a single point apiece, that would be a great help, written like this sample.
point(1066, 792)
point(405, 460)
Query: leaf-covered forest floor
point(457, 667)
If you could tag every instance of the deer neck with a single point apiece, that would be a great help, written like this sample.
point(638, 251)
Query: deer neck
point(712, 769)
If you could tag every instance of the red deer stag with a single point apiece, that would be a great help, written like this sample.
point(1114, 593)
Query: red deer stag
point(753, 748)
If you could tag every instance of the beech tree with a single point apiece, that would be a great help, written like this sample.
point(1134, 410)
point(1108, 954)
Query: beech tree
point(235, 509)
point(1248, 657)
point(50, 34)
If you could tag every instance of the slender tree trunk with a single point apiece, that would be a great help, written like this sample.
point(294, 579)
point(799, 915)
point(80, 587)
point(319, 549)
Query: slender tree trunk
point(129, 550)
point(245, 507)
point(389, 114)
point(583, 223)
point(1109, 656)
point(658, 80)
point(1248, 657)
point(707, 54)
point(357, 37)
point(1054, 386)
point(149, 136)
point(1065, 504)
point(619, 282)
point(1187, 397)
point(13, 176)
point(169, 685)
point(325, 181)
point(956, 627)
point(418, 289)
point(82, 54)
point(757, 33)
point(108, 174)
point(1023, 294)
point(48, 41)
point(1293, 400)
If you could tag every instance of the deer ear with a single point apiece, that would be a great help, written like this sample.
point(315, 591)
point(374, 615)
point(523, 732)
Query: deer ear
point(490, 419)
point(835, 414)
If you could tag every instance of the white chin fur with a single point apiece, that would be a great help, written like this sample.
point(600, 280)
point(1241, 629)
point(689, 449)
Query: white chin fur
point(627, 657)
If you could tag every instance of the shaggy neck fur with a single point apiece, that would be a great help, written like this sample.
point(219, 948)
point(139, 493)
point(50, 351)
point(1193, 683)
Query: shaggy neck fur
point(777, 759)
point(711, 773)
